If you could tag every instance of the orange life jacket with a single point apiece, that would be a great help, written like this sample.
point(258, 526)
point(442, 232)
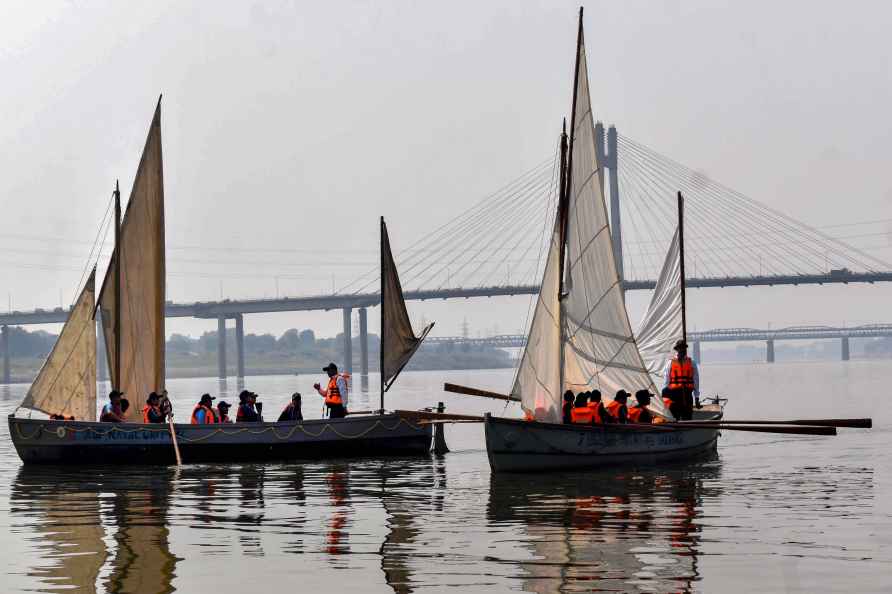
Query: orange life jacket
point(614, 407)
point(634, 414)
point(333, 395)
point(667, 402)
point(145, 413)
point(209, 417)
point(596, 412)
point(681, 374)
point(581, 415)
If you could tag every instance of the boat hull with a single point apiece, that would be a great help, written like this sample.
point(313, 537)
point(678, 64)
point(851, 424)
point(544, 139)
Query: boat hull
point(40, 441)
point(522, 446)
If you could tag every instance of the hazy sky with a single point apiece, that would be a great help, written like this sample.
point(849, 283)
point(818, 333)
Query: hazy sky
point(289, 127)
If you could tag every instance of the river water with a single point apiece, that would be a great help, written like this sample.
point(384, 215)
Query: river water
point(770, 513)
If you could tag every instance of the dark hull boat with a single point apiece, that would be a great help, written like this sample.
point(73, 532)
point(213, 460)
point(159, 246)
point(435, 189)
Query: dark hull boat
point(40, 441)
point(529, 446)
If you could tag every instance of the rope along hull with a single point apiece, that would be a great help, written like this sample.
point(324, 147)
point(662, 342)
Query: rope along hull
point(80, 442)
point(521, 446)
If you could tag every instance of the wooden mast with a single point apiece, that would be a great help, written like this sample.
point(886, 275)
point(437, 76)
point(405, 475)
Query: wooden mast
point(116, 385)
point(684, 321)
point(381, 339)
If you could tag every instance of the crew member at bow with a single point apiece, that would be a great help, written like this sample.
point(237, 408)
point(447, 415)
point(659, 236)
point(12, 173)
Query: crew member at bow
point(335, 394)
point(683, 383)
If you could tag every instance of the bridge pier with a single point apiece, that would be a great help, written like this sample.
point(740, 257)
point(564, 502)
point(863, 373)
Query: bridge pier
point(240, 346)
point(221, 347)
point(364, 341)
point(844, 341)
point(101, 356)
point(348, 340)
point(770, 351)
point(616, 228)
point(697, 356)
point(4, 338)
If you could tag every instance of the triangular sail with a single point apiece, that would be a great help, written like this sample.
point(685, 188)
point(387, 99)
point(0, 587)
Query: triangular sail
point(66, 384)
point(537, 383)
point(661, 325)
point(398, 340)
point(142, 271)
point(600, 351)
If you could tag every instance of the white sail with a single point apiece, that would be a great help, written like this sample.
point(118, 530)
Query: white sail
point(600, 351)
point(661, 325)
point(66, 384)
point(537, 383)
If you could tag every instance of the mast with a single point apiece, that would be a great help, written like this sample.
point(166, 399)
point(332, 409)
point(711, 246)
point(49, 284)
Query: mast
point(381, 340)
point(563, 210)
point(684, 322)
point(117, 314)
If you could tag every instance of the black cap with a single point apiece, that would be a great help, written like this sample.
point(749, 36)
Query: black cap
point(595, 394)
point(621, 394)
point(643, 396)
point(206, 398)
point(295, 396)
point(680, 345)
point(152, 396)
point(330, 367)
point(223, 404)
point(115, 394)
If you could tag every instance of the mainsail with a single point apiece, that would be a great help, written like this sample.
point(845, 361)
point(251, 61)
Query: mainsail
point(594, 347)
point(66, 384)
point(140, 260)
point(398, 340)
point(661, 325)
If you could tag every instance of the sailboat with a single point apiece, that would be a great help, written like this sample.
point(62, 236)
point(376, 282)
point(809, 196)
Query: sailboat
point(580, 338)
point(131, 308)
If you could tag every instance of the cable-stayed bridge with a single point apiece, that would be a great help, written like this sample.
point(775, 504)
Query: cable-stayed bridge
point(497, 246)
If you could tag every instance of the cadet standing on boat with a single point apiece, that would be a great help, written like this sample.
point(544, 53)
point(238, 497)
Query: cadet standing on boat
point(683, 383)
point(335, 393)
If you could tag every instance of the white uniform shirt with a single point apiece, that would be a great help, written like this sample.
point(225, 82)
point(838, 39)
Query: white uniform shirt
point(342, 388)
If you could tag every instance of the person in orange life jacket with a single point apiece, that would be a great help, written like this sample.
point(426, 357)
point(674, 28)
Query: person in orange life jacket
point(683, 381)
point(667, 401)
point(599, 413)
point(223, 412)
point(616, 408)
point(247, 412)
point(335, 394)
point(292, 411)
point(151, 412)
point(639, 413)
point(568, 407)
point(203, 414)
point(581, 413)
point(111, 412)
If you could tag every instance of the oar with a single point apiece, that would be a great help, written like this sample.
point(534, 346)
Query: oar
point(853, 423)
point(793, 430)
point(173, 437)
point(457, 389)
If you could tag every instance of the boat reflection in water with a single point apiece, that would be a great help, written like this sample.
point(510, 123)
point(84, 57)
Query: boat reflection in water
point(106, 532)
point(630, 532)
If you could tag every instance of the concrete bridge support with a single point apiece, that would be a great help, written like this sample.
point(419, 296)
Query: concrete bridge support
point(770, 351)
point(364, 341)
point(845, 347)
point(697, 356)
point(101, 356)
point(221, 347)
point(616, 227)
point(240, 345)
point(4, 339)
point(348, 339)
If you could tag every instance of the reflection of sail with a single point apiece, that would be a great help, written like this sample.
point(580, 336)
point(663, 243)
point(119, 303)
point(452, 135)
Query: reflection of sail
point(66, 384)
point(68, 521)
point(398, 340)
point(606, 532)
point(140, 329)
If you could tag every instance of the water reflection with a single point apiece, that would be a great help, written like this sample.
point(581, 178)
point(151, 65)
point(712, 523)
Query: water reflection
point(629, 532)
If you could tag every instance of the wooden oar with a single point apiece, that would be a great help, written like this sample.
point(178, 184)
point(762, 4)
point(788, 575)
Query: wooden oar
point(173, 437)
point(853, 423)
point(793, 430)
point(457, 389)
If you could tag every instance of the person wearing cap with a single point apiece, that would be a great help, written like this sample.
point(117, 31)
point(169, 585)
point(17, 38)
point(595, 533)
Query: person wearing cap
point(335, 394)
point(247, 413)
point(151, 412)
point(223, 412)
point(567, 411)
point(616, 408)
point(683, 383)
point(599, 413)
point(639, 413)
point(292, 411)
point(581, 413)
point(111, 412)
point(203, 414)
